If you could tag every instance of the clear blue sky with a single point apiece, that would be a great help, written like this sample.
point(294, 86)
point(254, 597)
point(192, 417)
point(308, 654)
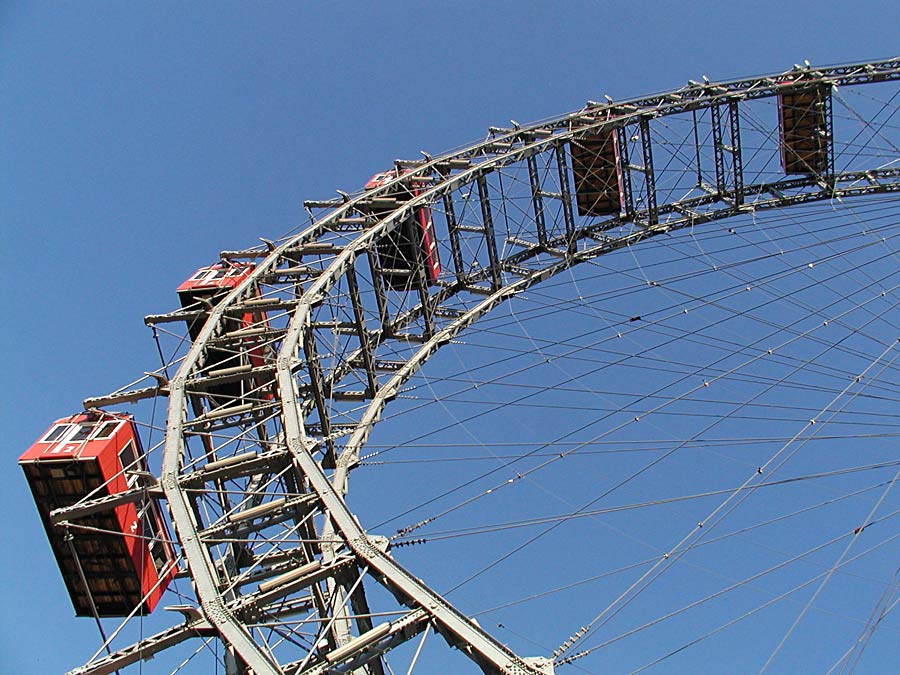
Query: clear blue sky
point(139, 139)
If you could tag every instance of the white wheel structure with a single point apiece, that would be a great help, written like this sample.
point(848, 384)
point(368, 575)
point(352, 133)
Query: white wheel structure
point(658, 432)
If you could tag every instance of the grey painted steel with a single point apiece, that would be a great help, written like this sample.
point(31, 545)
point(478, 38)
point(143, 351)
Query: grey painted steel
point(472, 167)
point(145, 649)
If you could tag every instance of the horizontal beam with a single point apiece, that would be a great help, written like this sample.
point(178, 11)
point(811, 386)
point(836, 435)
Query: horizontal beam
point(91, 506)
point(131, 396)
point(146, 648)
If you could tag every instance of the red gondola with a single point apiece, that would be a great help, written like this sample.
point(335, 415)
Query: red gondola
point(803, 129)
point(202, 291)
point(205, 287)
point(122, 554)
point(598, 180)
point(397, 252)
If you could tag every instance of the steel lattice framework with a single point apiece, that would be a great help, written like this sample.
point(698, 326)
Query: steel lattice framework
point(255, 483)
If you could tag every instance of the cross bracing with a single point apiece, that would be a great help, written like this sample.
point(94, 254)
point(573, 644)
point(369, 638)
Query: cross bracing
point(267, 419)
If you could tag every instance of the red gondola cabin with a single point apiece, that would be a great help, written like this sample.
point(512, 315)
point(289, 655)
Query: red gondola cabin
point(207, 286)
point(201, 291)
point(397, 252)
point(124, 554)
point(803, 129)
point(597, 170)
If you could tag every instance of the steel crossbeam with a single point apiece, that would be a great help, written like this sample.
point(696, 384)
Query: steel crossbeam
point(334, 249)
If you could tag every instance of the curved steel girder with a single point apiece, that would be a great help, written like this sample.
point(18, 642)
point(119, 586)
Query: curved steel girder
point(390, 389)
point(489, 653)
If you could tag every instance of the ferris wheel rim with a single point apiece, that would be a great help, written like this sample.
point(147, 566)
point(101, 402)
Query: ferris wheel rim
point(297, 440)
point(301, 444)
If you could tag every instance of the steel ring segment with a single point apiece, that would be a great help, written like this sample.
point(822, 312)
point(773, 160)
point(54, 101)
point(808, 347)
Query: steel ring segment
point(197, 555)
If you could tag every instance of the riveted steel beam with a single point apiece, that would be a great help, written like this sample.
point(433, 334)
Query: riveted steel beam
point(333, 261)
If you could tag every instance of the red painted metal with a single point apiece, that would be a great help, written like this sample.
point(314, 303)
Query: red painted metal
point(124, 551)
point(397, 251)
point(213, 279)
point(204, 289)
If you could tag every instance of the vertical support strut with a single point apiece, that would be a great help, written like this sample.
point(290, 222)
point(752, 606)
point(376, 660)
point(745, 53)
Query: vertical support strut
point(625, 172)
point(715, 112)
point(360, 320)
point(829, 138)
point(537, 202)
point(697, 149)
point(565, 191)
point(649, 179)
point(733, 148)
point(453, 231)
point(487, 220)
point(737, 163)
point(317, 381)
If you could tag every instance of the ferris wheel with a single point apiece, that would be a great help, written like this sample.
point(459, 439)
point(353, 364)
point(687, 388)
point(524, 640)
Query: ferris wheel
point(617, 391)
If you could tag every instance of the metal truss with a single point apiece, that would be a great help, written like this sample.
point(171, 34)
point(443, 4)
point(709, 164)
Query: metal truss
point(255, 482)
